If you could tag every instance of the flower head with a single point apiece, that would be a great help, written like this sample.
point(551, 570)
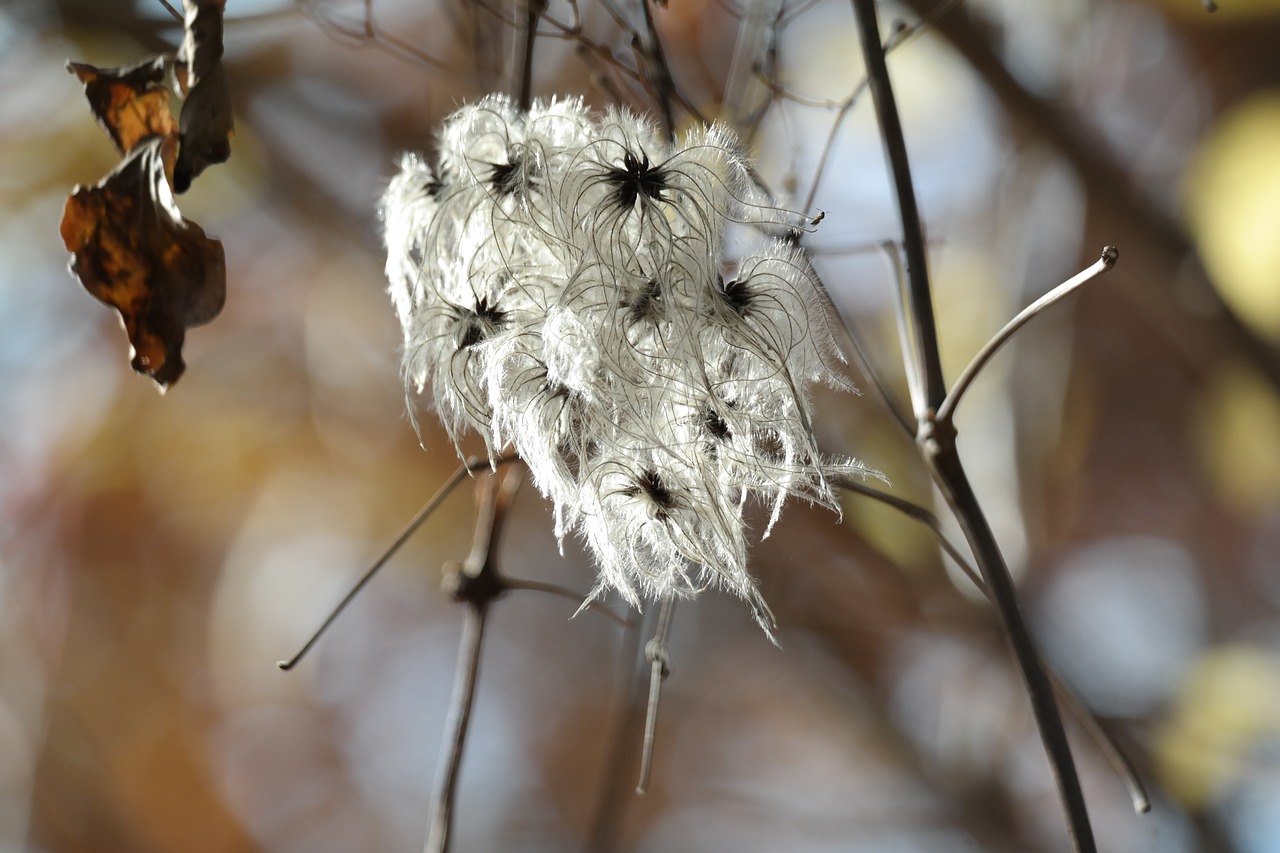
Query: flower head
point(563, 288)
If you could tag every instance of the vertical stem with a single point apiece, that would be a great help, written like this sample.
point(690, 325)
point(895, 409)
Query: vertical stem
point(937, 443)
point(614, 795)
point(464, 692)
point(895, 150)
point(659, 74)
point(659, 668)
point(527, 14)
point(949, 474)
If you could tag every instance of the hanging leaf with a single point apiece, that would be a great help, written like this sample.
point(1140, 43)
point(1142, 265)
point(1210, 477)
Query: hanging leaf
point(131, 103)
point(135, 251)
point(205, 122)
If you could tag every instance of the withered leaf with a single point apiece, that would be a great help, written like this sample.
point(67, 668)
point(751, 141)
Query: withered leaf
point(131, 102)
point(133, 250)
point(205, 121)
point(201, 46)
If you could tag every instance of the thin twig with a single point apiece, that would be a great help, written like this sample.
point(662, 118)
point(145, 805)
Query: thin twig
point(1100, 266)
point(470, 466)
point(475, 583)
point(741, 91)
point(916, 513)
point(937, 444)
point(862, 363)
point(658, 72)
point(366, 32)
point(1153, 231)
point(587, 47)
point(464, 692)
point(563, 592)
point(901, 35)
point(895, 149)
point(655, 651)
point(177, 16)
point(1105, 743)
point(614, 792)
point(1110, 749)
point(915, 392)
point(526, 35)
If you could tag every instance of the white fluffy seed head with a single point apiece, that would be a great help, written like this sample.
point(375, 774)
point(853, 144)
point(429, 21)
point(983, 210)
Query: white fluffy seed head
point(558, 277)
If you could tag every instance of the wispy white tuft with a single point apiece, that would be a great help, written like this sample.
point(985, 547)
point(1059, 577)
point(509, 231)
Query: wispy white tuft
point(563, 288)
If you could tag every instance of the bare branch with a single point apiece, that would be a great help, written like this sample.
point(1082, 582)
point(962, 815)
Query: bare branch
point(1092, 726)
point(920, 296)
point(470, 466)
point(477, 584)
point(1100, 266)
point(655, 651)
point(464, 692)
point(1153, 233)
point(657, 72)
point(937, 442)
point(526, 35)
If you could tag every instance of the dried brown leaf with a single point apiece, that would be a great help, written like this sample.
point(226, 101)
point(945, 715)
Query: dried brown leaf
point(201, 48)
point(206, 120)
point(133, 250)
point(131, 102)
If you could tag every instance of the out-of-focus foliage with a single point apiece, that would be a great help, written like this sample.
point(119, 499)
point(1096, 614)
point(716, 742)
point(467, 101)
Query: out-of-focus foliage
point(157, 556)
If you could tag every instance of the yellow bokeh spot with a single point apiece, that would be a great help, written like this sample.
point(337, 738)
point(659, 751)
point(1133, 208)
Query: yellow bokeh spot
point(1232, 203)
point(1236, 428)
point(1228, 703)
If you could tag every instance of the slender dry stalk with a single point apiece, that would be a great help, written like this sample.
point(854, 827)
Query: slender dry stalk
point(937, 442)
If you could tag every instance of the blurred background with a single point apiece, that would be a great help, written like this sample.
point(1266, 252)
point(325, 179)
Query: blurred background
point(159, 554)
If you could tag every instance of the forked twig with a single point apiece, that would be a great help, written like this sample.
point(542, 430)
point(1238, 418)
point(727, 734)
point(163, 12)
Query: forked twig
point(938, 448)
point(476, 583)
point(469, 467)
point(1093, 727)
point(1108, 259)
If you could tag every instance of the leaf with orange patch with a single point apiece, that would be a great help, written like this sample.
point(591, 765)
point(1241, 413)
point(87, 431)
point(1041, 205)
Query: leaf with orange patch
point(131, 103)
point(134, 250)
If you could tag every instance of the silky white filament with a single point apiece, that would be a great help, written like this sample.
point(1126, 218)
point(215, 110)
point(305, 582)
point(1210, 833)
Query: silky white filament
point(560, 280)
